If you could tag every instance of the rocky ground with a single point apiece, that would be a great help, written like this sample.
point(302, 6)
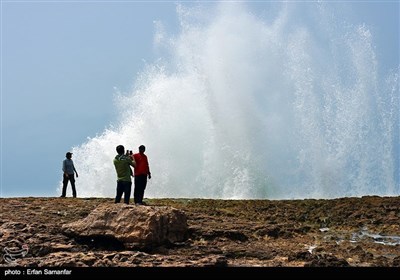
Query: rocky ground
point(357, 232)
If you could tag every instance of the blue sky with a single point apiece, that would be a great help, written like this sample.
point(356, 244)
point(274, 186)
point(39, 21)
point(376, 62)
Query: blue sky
point(61, 64)
point(63, 61)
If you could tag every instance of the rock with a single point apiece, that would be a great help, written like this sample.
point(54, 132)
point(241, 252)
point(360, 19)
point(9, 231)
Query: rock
point(326, 260)
point(229, 234)
point(133, 226)
point(212, 260)
point(69, 259)
point(61, 247)
point(278, 231)
point(302, 256)
point(381, 261)
point(396, 262)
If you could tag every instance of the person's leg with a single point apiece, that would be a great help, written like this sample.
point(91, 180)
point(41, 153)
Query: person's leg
point(120, 190)
point(140, 185)
point(127, 194)
point(65, 183)
point(72, 180)
point(143, 183)
point(135, 190)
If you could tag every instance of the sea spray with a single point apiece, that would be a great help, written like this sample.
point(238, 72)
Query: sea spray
point(247, 107)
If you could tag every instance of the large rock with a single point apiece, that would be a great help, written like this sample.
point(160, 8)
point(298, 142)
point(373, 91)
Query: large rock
point(134, 226)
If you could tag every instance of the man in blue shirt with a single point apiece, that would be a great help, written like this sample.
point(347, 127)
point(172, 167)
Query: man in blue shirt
point(68, 168)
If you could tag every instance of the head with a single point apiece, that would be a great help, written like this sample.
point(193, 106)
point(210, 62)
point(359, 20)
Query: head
point(120, 149)
point(68, 155)
point(142, 149)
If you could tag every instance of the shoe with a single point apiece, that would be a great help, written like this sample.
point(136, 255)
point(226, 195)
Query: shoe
point(62, 196)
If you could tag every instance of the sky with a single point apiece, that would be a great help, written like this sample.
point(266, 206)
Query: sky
point(63, 62)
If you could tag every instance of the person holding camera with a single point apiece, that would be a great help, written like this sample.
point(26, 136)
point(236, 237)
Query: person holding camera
point(123, 163)
point(142, 172)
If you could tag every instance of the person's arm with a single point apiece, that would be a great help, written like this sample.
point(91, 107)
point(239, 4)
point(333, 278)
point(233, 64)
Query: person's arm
point(132, 162)
point(76, 172)
point(148, 169)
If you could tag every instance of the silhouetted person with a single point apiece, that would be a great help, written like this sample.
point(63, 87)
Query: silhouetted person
point(142, 171)
point(123, 165)
point(68, 168)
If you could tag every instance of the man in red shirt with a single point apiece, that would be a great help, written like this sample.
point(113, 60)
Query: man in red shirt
point(142, 171)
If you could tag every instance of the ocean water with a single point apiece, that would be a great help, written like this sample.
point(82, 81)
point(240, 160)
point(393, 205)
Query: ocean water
point(240, 105)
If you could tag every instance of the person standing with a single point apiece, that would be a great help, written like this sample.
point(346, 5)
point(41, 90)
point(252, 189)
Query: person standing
point(68, 168)
point(123, 163)
point(142, 171)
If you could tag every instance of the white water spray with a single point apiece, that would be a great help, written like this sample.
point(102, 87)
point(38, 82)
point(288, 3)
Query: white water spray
point(245, 108)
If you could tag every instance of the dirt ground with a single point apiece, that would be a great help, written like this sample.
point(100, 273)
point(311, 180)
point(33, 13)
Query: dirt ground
point(356, 232)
